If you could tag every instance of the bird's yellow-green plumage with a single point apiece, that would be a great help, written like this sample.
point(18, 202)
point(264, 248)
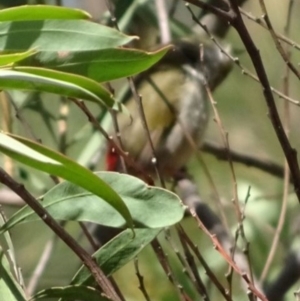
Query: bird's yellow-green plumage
point(176, 106)
point(158, 114)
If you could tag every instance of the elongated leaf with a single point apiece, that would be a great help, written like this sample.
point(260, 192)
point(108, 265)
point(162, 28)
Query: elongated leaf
point(6, 59)
point(71, 292)
point(84, 82)
point(106, 64)
point(149, 206)
point(41, 12)
point(10, 290)
point(43, 80)
point(59, 35)
point(7, 245)
point(47, 160)
point(116, 253)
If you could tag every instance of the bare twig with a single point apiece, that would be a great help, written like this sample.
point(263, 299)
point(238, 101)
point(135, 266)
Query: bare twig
point(41, 265)
point(212, 9)
point(141, 280)
point(119, 138)
point(217, 26)
point(210, 274)
point(260, 22)
point(290, 153)
point(163, 260)
point(86, 259)
point(89, 236)
point(237, 62)
point(211, 225)
point(246, 249)
point(8, 197)
point(129, 161)
point(286, 122)
point(235, 18)
point(24, 123)
point(224, 137)
point(263, 164)
point(190, 266)
point(279, 47)
point(163, 21)
point(194, 146)
point(138, 100)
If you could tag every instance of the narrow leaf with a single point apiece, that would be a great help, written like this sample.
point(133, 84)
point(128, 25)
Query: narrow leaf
point(41, 12)
point(104, 65)
point(59, 35)
point(43, 80)
point(149, 206)
point(47, 160)
point(10, 289)
point(83, 82)
point(6, 59)
point(7, 245)
point(71, 292)
point(116, 253)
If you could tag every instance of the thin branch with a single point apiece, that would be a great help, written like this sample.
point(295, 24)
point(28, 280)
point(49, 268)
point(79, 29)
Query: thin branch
point(220, 153)
point(211, 8)
point(163, 21)
point(189, 265)
point(218, 26)
point(26, 126)
point(8, 197)
point(138, 100)
point(237, 62)
point(163, 260)
point(41, 265)
point(129, 161)
point(194, 146)
point(290, 153)
point(88, 236)
point(86, 258)
point(259, 21)
point(287, 125)
point(210, 274)
point(279, 47)
point(139, 103)
point(241, 229)
point(224, 137)
point(210, 223)
point(116, 128)
point(141, 280)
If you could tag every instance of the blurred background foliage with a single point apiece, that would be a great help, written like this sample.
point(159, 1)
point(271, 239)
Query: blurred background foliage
point(244, 115)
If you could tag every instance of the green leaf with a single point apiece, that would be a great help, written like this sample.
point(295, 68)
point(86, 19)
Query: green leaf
point(6, 59)
point(71, 292)
point(47, 160)
point(104, 65)
point(59, 35)
point(40, 12)
point(6, 244)
point(149, 206)
point(10, 289)
point(116, 253)
point(43, 80)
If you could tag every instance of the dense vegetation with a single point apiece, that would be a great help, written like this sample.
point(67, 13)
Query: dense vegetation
point(64, 75)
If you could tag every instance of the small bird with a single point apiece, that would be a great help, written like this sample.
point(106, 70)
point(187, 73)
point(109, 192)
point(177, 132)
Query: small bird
point(176, 106)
